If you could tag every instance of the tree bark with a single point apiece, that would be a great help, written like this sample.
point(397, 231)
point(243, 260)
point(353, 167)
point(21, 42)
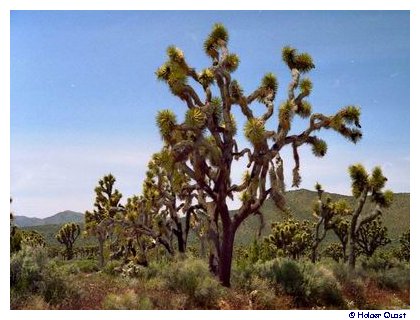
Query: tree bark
point(101, 252)
point(226, 256)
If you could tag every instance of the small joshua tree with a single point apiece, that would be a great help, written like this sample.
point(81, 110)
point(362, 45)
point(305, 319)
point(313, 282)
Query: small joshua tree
point(291, 237)
point(204, 145)
point(67, 235)
point(328, 214)
point(371, 236)
point(334, 250)
point(404, 249)
point(364, 186)
point(99, 222)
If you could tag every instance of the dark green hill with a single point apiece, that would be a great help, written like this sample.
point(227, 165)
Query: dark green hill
point(396, 218)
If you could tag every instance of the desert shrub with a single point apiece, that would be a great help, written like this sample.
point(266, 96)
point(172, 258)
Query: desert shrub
point(126, 301)
point(112, 268)
point(261, 295)
point(397, 278)
point(381, 260)
point(285, 273)
point(192, 278)
point(321, 287)
point(87, 265)
point(310, 285)
point(32, 273)
point(242, 275)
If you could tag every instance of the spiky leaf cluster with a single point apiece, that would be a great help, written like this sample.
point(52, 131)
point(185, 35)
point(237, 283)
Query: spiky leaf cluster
point(319, 147)
point(302, 62)
point(269, 86)
point(231, 62)
point(347, 123)
point(206, 77)
point(218, 37)
point(305, 86)
point(359, 179)
point(304, 109)
point(166, 122)
point(254, 131)
point(195, 118)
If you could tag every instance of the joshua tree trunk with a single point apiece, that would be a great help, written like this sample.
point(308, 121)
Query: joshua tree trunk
point(352, 253)
point(101, 252)
point(226, 256)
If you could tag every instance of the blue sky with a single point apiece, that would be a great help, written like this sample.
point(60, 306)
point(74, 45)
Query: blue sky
point(84, 95)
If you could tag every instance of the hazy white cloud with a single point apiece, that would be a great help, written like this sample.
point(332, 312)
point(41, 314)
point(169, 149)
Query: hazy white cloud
point(47, 180)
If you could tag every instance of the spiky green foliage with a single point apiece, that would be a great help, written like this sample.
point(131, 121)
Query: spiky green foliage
point(269, 83)
point(195, 118)
point(67, 235)
point(254, 131)
point(305, 86)
point(304, 109)
point(166, 121)
point(319, 148)
point(359, 179)
point(231, 62)
point(216, 38)
point(302, 62)
point(346, 117)
point(206, 77)
point(291, 237)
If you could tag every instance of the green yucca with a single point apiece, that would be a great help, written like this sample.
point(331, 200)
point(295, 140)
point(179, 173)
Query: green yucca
point(319, 148)
point(166, 121)
point(305, 86)
point(195, 118)
point(255, 131)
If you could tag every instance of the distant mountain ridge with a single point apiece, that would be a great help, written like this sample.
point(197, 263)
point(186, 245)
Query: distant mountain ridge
point(58, 218)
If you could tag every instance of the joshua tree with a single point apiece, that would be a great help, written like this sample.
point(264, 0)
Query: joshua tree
point(291, 237)
point(67, 235)
point(328, 214)
point(364, 186)
point(371, 236)
point(334, 250)
point(15, 234)
point(204, 146)
point(107, 204)
point(341, 230)
point(404, 250)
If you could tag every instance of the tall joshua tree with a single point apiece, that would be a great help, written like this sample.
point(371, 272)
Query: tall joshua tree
point(67, 235)
point(204, 145)
point(107, 204)
point(364, 186)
